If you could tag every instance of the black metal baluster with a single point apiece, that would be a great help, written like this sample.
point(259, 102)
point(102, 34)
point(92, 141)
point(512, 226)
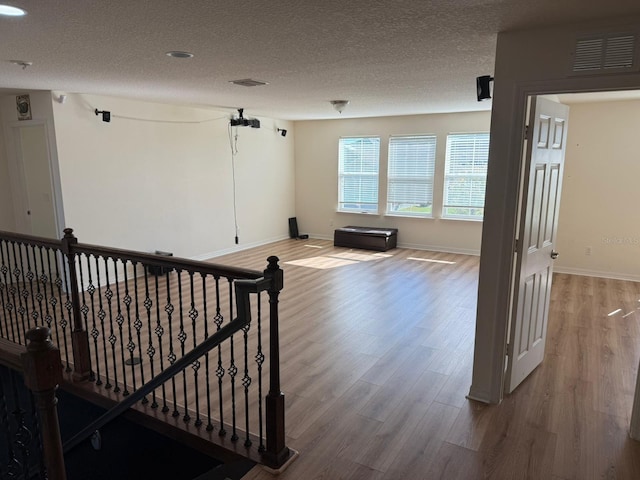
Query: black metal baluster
point(3, 318)
point(159, 331)
point(151, 351)
point(246, 382)
point(131, 346)
point(4, 291)
point(68, 305)
point(27, 292)
point(11, 292)
point(218, 319)
point(30, 276)
point(169, 308)
point(55, 299)
point(193, 315)
point(137, 324)
point(91, 289)
point(17, 271)
point(233, 370)
point(259, 361)
point(120, 322)
point(108, 294)
point(47, 280)
point(182, 337)
point(206, 335)
point(102, 315)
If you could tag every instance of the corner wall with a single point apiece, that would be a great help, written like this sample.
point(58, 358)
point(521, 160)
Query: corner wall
point(317, 179)
point(600, 194)
point(7, 218)
point(160, 177)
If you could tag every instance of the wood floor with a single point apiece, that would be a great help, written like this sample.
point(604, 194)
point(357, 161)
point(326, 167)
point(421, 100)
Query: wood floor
point(376, 362)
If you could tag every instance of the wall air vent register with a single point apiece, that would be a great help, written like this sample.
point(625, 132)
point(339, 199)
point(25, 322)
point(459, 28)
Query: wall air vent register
point(605, 53)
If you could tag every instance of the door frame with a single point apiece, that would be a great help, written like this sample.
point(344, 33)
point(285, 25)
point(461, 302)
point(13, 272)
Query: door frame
point(500, 227)
point(17, 175)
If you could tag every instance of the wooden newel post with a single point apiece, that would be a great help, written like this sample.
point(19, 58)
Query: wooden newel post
point(79, 336)
point(42, 374)
point(277, 452)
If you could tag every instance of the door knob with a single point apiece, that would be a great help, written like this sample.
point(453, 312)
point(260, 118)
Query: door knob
point(554, 254)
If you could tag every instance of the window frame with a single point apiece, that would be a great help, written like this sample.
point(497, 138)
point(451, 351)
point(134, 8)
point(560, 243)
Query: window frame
point(342, 175)
point(428, 179)
point(471, 176)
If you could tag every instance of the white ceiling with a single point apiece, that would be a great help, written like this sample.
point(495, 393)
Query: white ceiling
point(388, 57)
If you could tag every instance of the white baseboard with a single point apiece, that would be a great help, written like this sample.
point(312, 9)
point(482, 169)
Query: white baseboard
point(237, 248)
point(417, 246)
point(440, 248)
point(479, 395)
point(320, 236)
point(595, 273)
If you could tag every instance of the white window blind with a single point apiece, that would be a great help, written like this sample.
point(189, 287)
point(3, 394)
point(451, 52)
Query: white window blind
point(359, 160)
point(465, 175)
point(412, 162)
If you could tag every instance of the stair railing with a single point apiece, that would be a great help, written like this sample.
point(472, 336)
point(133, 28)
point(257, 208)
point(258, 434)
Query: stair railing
point(123, 317)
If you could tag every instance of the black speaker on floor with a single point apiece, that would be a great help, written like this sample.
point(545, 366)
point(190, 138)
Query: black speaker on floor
point(293, 228)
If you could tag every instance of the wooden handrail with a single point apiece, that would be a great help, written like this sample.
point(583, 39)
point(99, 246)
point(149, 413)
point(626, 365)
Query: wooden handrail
point(32, 240)
point(10, 354)
point(133, 256)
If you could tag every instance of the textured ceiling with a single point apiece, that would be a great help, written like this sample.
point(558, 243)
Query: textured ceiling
point(391, 57)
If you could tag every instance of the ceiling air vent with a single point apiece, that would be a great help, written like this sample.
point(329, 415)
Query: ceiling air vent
point(609, 54)
point(248, 82)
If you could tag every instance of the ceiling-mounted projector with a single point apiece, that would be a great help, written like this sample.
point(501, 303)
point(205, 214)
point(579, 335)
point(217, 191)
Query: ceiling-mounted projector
point(244, 122)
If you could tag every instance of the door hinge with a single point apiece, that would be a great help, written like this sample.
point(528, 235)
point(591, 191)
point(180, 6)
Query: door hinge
point(508, 349)
point(527, 132)
point(517, 244)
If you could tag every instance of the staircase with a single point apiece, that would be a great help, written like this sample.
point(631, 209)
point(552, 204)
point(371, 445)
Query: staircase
point(181, 347)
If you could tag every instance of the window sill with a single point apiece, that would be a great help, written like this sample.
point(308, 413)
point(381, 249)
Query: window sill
point(429, 217)
point(463, 219)
point(356, 212)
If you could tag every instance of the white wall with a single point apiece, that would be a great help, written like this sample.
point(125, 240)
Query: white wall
point(600, 196)
point(7, 219)
point(161, 178)
point(317, 179)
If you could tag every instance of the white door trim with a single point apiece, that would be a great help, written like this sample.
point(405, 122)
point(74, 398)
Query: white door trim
point(500, 226)
point(16, 171)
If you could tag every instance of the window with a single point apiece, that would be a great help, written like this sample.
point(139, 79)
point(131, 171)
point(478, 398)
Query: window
point(465, 176)
point(410, 175)
point(359, 158)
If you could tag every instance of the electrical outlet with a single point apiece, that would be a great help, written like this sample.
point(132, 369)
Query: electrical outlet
point(587, 251)
point(331, 222)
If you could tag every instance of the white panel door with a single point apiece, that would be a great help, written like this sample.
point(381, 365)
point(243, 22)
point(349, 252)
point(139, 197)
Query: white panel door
point(32, 149)
point(537, 238)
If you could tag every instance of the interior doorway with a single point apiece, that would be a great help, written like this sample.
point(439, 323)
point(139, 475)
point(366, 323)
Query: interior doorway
point(36, 208)
point(601, 176)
